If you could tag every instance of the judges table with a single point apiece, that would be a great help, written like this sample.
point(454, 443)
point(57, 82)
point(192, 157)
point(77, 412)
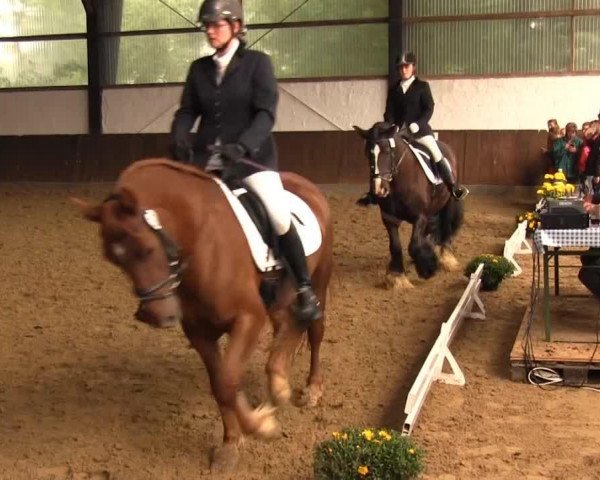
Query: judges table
point(550, 243)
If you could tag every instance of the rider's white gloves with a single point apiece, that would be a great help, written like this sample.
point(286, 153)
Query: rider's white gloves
point(413, 127)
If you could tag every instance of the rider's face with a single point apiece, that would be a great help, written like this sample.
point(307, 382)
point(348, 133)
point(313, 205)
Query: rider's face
point(220, 33)
point(407, 70)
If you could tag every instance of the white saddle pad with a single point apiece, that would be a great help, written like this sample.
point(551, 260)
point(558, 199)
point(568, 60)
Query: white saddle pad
point(424, 161)
point(302, 216)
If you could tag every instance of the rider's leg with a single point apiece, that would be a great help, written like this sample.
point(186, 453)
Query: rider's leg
point(268, 187)
point(458, 191)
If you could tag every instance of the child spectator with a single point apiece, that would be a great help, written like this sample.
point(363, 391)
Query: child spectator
point(565, 152)
point(553, 135)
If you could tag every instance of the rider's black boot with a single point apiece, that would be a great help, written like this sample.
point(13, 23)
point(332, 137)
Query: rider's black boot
point(367, 199)
point(307, 308)
point(458, 191)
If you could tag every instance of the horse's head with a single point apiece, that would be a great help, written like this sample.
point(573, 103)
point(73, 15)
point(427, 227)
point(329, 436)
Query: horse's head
point(133, 239)
point(379, 146)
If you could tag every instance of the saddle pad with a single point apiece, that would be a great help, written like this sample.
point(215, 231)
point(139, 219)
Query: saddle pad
point(304, 219)
point(424, 161)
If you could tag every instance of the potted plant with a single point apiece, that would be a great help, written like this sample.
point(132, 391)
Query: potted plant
point(495, 269)
point(532, 219)
point(380, 454)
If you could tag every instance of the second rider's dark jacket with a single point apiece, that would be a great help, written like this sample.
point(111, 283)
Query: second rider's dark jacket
point(241, 109)
point(416, 105)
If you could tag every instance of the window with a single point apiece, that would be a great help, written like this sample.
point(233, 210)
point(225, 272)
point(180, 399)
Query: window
point(503, 37)
point(42, 43)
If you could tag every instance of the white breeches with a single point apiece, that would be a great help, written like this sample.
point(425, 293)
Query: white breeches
point(429, 142)
point(268, 187)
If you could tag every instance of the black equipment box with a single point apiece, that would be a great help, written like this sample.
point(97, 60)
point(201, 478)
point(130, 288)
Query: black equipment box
point(564, 214)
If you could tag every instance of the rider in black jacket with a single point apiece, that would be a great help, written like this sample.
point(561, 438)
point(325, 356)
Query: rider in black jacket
point(234, 92)
point(409, 105)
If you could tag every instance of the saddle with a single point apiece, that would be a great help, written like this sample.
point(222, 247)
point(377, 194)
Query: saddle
point(253, 219)
point(425, 158)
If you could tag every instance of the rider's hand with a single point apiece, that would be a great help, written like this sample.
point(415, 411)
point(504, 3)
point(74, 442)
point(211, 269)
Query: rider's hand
point(232, 152)
point(413, 127)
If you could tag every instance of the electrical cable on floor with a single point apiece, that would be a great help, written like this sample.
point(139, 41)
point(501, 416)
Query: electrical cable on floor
point(545, 376)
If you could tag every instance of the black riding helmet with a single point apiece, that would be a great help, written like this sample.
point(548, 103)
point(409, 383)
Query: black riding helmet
point(406, 58)
point(212, 11)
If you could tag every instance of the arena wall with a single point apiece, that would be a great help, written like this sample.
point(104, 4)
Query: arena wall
point(495, 125)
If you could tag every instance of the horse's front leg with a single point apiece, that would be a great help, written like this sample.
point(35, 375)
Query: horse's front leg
point(226, 456)
point(421, 250)
point(395, 276)
point(243, 340)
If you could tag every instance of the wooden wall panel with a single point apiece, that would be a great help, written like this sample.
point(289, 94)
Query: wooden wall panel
point(484, 157)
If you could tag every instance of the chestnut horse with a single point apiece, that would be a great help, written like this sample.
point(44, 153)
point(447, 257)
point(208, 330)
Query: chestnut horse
point(405, 194)
point(217, 292)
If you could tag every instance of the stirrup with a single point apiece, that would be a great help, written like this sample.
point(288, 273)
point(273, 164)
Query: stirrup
point(307, 308)
point(459, 193)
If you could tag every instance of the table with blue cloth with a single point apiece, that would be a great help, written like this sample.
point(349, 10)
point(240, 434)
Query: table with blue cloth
point(551, 244)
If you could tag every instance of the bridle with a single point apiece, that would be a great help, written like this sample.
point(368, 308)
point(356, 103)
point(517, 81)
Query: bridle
point(172, 251)
point(176, 265)
point(374, 161)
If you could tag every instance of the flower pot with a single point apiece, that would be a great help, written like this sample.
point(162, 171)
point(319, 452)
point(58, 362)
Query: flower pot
point(489, 284)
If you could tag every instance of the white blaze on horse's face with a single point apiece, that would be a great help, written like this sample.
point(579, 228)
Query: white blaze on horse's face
point(376, 183)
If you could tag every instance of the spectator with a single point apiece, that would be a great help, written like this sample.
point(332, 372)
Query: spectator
point(592, 167)
point(565, 152)
point(585, 181)
point(553, 135)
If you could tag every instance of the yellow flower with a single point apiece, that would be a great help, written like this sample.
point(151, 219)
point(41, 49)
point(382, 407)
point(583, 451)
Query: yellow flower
point(559, 175)
point(411, 451)
point(363, 470)
point(546, 185)
point(336, 435)
point(531, 224)
point(540, 192)
point(385, 435)
point(344, 436)
point(368, 434)
point(569, 188)
point(520, 218)
point(549, 176)
point(495, 260)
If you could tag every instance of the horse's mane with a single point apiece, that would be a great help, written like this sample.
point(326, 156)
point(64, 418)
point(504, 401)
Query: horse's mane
point(165, 162)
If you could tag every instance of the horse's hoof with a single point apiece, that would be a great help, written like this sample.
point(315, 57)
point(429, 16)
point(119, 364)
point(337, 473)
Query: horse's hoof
point(397, 281)
point(449, 262)
point(267, 426)
point(225, 458)
point(280, 390)
point(309, 396)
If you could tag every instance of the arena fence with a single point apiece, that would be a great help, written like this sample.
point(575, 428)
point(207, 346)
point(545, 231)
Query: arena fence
point(517, 244)
point(431, 371)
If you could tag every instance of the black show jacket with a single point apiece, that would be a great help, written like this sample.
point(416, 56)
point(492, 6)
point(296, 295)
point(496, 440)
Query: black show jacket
point(414, 106)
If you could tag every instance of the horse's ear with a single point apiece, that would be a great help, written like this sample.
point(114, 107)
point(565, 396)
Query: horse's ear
point(89, 211)
point(128, 201)
point(363, 133)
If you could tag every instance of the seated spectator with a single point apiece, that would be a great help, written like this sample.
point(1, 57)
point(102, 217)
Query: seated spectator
point(589, 273)
point(565, 152)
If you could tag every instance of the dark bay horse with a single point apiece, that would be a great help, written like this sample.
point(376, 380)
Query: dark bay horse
point(405, 194)
point(218, 291)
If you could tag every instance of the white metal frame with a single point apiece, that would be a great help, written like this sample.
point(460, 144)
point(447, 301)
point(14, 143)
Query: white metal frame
point(517, 244)
point(431, 370)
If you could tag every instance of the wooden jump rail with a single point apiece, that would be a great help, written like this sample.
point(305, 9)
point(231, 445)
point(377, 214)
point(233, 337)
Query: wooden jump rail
point(431, 370)
point(517, 244)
